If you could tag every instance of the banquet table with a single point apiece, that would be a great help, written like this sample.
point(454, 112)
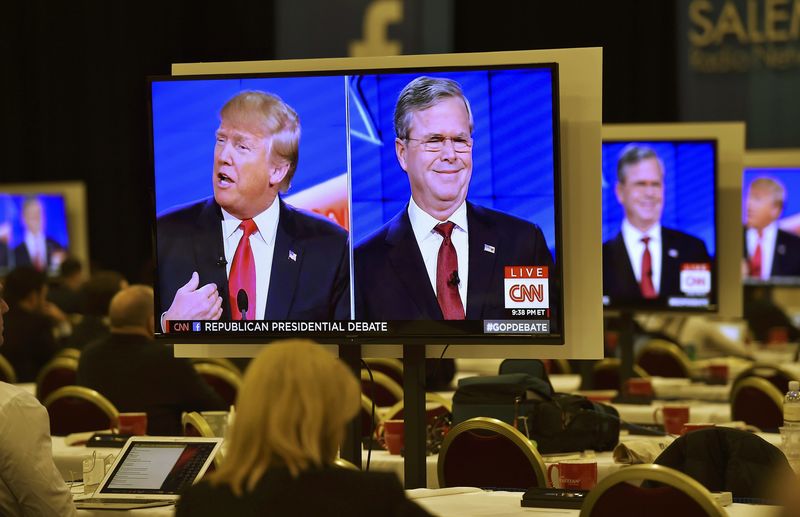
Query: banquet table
point(713, 412)
point(69, 458)
point(471, 502)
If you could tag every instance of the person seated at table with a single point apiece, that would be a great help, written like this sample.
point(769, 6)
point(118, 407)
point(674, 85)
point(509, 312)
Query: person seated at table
point(31, 484)
point(32, 323)
point(97, 293)
point(290, 419)
point(136, 373)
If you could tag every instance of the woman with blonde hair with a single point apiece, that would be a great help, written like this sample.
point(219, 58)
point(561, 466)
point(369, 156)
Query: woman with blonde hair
point(291, 413)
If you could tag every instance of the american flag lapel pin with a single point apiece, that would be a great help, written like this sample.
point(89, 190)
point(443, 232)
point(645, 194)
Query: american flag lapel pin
point(292, 256)
point(488, 248)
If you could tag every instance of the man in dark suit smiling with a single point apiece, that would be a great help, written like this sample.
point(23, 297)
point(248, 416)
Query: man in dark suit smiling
point(245, 254)
point(441, 257)
point(643, 261)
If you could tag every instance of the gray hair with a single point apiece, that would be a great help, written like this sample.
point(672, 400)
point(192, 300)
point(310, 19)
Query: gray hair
point(423, 93)
point(633, 154)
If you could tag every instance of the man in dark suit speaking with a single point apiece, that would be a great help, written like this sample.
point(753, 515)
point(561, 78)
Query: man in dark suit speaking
point(245, 254)
point(441, 257)
point(768, 250)
point(643, 261)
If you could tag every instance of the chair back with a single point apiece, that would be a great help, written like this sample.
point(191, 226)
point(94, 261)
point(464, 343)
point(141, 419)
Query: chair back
point(194, 424)
point(219, 361)
point(533, 367)
point(369, 425)
point(383, 390)
point(777, 376)
point(58, 372)
point(723, 459)
point(757, 402)
point(344, 464)
point(487, 453)
point(557, 366)
point(663, 359)
point(606, 374)
point(7, 373)
point(392, 368)
point(69, 352)
point(221, 379)
point(676, 494)
point(75, 409)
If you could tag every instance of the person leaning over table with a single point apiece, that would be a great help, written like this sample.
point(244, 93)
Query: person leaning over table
point(290, 419)
point(30, 484)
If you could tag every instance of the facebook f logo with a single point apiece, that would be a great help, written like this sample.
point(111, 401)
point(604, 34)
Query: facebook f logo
point(196, 326)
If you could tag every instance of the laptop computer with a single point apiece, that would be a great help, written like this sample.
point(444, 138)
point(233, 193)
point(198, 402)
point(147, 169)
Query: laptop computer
point(151, 471)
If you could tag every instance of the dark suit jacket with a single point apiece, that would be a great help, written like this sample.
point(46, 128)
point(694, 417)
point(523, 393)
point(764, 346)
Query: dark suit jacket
point(619, 282)
point(22, 258)
point(137, 374)
point(392, 282)
point(29, 342)
point(331, 492)
point(313, 286)
point(4, 255)
point(786, 257)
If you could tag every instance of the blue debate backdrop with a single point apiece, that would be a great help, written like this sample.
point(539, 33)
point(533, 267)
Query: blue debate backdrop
point(185, 115)
point(689, 186)
point(513, 150)
point(55, 216)
point(790, 177)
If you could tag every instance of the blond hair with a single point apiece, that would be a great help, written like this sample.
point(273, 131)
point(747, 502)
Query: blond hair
point(772, 186)
point(291, 411)
point(270, 116)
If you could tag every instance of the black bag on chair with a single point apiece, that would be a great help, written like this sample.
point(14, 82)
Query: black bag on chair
point(570, 423)
point(557, 421)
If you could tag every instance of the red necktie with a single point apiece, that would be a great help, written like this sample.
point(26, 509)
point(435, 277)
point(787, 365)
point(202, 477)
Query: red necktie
point(646, 285)
point(243, 273)
point(447, 275)
point(754, 264)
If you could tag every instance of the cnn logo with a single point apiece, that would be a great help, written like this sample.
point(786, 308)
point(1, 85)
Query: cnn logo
point(526, 293)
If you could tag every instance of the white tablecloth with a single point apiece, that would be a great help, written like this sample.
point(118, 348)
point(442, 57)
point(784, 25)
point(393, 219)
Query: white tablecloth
point(474, 503)
point(714, 412)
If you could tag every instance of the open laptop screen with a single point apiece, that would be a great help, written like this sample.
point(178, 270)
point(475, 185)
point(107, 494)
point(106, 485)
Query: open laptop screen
point(161, 468)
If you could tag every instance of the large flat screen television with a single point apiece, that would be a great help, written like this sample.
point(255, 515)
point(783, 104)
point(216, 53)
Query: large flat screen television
point(41, 224)
point(384, 205)
point(660, 224)
point(771, 218)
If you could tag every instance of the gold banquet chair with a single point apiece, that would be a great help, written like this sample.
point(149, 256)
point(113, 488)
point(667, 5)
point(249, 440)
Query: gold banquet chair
point(369, 425)
point(7, 373)
point(381, 388)
point(757, 402)
point(76, 409)
point(777, 375)
point(219, 361)
point(58, 372)
point(606, 374)
point(69, 352)
point(675, 494)
point(436, 406)
point(393, 368)
point(221, 379)
point(488, 453)
point(664, 359)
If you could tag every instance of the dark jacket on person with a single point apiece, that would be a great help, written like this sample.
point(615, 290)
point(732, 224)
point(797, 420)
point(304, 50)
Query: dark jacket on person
point(728, 460)
point(90, 328)
point(331, 492)
point(29, 342)
point(139, 374)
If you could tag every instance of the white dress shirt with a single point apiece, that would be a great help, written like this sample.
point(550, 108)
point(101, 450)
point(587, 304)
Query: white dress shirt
point(635, 247)
point(769, 237)
point(37, 247)
point(262, 243)
point(429, 242)
point(30, 483)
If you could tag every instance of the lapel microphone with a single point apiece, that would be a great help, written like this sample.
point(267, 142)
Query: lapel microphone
point(453, 281)
point(221, 262)
point(242, 303)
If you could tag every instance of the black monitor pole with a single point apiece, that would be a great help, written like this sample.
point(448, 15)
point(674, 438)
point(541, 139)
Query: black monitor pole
point(351, 447)
point(626, 336)
point(414, 415)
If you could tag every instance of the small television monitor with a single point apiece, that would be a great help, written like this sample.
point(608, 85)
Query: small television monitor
point(771, 218)
point(41, 225)
point(659, 224)
point(415, 204)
